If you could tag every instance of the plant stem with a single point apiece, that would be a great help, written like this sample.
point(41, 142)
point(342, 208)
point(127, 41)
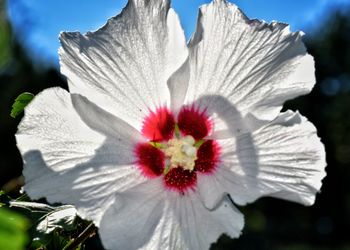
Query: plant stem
point(88, 231)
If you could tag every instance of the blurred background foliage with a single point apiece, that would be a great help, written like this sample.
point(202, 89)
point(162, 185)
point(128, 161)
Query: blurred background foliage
point(13, 228)
point(5, 50)
point(270, 223)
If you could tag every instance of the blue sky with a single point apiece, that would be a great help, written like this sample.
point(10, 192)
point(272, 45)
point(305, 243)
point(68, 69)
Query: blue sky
point(38, 22)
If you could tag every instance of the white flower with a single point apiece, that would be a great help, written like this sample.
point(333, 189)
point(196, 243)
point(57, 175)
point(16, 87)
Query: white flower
point(154, 133)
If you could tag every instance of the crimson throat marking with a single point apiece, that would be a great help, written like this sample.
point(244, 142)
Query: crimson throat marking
point(162, 129)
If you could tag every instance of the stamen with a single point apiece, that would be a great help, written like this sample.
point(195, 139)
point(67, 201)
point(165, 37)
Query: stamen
point(181, 152)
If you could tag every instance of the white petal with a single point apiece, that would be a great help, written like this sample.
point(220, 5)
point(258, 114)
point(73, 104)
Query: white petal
point(256, 66)
point(124, 66)
point(67, 161)
point(284, 159)
point(202, 227)
point(149, 217)
point(178, 83)
point(105, 123)
point(132, 219)
point(211, 188)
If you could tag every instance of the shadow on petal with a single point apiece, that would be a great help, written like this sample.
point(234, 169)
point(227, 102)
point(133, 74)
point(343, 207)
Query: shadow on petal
point(235, 126)
point(90, 186)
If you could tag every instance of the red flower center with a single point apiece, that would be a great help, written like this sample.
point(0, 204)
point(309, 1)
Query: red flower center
point(177, 148)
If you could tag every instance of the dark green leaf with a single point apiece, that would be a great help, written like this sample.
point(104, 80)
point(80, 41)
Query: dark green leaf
point(50, 217)
point(4, 198)
point(20, 103)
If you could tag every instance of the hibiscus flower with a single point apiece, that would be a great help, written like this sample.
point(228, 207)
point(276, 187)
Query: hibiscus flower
point(157, 139)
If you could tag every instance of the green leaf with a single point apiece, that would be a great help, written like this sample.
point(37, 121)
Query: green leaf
point(56, 241)
point(50, 218)
point(13, 228)
point(20, 103)
point(52, 226)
